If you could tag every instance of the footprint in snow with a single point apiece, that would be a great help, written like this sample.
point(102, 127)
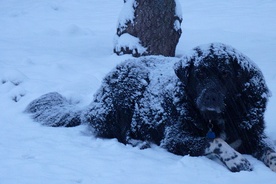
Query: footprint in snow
point(10, 84)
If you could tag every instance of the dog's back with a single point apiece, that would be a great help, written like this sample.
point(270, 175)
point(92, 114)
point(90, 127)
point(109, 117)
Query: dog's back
point(129, 103)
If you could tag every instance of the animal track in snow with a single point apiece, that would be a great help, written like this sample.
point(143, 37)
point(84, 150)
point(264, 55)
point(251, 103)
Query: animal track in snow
point(10, 84)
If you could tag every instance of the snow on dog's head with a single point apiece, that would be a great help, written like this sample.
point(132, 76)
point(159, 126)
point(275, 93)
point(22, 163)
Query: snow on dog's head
point(217, 76)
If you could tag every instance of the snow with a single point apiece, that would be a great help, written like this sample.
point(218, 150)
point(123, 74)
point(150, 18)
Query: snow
point(178, 9)
point(200, 52)
point(127, 12)
point(178, 13)
point(129, 42)
point(66, 46)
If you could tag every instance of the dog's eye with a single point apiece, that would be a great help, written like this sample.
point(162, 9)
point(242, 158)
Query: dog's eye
point(201, 75)
point(225, 74)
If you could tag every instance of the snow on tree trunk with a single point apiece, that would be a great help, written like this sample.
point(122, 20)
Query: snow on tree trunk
point(148, 27)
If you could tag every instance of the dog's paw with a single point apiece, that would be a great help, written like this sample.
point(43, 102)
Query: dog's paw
point(140, 144)
point(238, 163)
point(271, 160)
point(233, 160)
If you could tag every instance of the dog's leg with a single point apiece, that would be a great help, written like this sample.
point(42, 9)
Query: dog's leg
point(265, 153)
point(234, 161)
point(269, 159)
point(263, 150)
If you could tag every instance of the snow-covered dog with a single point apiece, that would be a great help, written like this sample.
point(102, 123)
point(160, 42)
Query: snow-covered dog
point(210, 102)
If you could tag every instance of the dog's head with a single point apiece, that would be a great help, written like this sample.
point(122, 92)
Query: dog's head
point(216, 76)
point(208, 86)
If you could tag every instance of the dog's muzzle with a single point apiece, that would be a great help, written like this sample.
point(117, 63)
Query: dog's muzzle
point(210, 103)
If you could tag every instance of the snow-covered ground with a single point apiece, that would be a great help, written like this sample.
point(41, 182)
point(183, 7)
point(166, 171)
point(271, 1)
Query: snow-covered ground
point(66, 46)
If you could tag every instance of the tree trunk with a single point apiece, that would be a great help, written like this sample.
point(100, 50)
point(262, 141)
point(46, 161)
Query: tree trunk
point(154, 23)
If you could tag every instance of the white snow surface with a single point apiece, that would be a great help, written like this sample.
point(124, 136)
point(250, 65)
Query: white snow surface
point(66, 46)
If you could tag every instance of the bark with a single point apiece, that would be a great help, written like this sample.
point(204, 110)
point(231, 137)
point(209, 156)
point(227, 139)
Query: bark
point(156, 25)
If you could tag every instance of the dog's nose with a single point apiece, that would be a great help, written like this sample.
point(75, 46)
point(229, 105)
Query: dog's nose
point(210, 100)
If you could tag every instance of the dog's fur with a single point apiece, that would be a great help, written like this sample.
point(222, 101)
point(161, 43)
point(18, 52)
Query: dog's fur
point(216, 91)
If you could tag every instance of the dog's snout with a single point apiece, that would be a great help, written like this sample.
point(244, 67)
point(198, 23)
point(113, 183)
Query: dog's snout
point(210, 100)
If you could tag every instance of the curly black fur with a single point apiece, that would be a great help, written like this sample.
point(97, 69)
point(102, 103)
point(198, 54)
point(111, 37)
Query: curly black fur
point(175, 103)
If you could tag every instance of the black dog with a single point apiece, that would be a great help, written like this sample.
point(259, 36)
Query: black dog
point(211, 102)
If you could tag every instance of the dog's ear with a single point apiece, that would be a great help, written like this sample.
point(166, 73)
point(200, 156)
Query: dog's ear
point(254, 92)
point(250, 78)
point(182, 69)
